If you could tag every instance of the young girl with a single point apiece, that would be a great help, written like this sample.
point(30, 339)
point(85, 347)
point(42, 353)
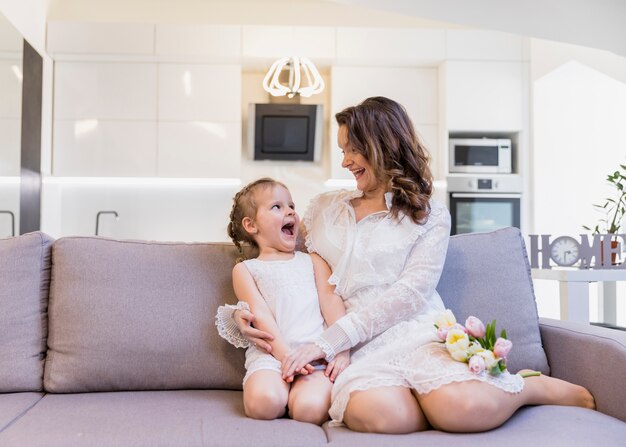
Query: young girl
point(281, 286)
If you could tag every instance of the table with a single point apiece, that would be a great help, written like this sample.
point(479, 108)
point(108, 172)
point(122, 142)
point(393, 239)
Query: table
point(574, 291)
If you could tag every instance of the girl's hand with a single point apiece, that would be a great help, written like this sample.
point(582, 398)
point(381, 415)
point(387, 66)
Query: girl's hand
point(300, 358)
point(337, 365)
point(258, 338)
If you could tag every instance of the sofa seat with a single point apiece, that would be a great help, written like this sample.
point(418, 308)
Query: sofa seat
point(532, 426)
point(14, 405)
point(216, 418)
point(153, 418)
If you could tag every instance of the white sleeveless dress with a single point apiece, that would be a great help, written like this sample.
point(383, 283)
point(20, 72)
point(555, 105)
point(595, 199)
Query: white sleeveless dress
point(288, 288)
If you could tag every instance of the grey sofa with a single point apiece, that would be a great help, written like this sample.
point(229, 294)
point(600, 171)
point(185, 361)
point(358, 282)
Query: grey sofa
point(113, 343)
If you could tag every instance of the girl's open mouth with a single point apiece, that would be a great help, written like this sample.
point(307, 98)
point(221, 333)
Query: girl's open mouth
point(288, 229)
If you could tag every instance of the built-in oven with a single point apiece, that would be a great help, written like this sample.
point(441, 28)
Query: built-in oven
point(484, 203)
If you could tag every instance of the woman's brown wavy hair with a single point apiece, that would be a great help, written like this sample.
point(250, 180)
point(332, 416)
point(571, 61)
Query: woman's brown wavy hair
point(382, 132)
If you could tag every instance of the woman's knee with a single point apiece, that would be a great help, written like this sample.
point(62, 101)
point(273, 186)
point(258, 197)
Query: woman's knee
point(454, 408)
point(268, 403)
point(373, 414)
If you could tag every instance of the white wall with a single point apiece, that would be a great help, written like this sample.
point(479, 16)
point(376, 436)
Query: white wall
point(579, 116)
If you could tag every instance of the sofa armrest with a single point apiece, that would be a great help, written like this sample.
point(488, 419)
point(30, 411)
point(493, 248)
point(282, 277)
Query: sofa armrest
point(591, 356)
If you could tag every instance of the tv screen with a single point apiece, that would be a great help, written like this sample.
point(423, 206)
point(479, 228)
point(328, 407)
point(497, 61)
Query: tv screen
point(285, 134)
point(285, 131)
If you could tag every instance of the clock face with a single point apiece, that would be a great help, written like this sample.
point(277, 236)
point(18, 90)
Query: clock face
point(565, 251)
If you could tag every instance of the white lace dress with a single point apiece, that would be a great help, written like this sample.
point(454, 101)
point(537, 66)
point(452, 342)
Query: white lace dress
point(386, 271)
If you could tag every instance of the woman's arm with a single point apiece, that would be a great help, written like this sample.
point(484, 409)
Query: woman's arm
point(247, 291)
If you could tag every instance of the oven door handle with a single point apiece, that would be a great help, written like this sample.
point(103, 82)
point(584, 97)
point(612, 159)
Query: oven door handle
point(479, 195)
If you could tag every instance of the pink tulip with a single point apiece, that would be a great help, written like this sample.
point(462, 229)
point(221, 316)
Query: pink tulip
point(475, 327)
point(442, 333)
point(502, 347)
point(477, 364)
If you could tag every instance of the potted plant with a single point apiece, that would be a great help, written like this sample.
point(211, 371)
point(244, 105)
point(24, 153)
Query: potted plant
point(613, 208)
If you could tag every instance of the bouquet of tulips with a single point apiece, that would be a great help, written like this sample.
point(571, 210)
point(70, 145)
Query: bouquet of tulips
point(474, 343)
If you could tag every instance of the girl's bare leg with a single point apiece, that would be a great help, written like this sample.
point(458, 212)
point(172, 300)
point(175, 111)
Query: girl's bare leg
point(475, 406)
point(309, 398)
point(384, 410)
point(265, 395)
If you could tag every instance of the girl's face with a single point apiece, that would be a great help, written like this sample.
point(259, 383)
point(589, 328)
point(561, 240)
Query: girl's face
point(357, 164)
point(275, 226)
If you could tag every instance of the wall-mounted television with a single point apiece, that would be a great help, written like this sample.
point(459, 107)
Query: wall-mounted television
point(285, 131)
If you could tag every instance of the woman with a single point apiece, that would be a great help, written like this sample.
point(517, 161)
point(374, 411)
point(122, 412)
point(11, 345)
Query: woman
point(385, 244)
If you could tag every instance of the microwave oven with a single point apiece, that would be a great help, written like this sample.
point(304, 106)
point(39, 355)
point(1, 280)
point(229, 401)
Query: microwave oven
point(480, 155)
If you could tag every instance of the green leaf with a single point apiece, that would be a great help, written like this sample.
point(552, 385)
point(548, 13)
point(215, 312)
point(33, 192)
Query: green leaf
point(503, 333)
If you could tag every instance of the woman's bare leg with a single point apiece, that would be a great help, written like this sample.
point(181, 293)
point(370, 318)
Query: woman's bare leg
point(309, 398)
point(384, 410)
point(265, 395)
point(475, 406)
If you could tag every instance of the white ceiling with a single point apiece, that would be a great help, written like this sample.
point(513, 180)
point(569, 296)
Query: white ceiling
point(594, 23)
point(270, 12)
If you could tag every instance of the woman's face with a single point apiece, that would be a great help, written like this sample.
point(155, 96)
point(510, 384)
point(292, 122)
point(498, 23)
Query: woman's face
point(357, 164)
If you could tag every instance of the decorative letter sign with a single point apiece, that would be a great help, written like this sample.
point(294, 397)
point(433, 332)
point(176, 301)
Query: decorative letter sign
point(602, 252)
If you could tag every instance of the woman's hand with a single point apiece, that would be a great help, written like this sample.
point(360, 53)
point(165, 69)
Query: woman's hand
point(258, 338)
point(300, 358)
point(337, 365)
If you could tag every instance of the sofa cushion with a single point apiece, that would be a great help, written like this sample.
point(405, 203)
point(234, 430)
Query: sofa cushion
point(154, 418)
point(544, 425)
point(14, 405)
point(132, 315)
point(487, 275)
point(24, 282)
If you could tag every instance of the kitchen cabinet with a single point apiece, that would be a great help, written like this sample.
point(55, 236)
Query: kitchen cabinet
point(484, 45)
point(414, 88)
point(273, 42)
point(484, 96)
point(395, 47)
point(221, 42)
point(73, 38)
point(146, 119)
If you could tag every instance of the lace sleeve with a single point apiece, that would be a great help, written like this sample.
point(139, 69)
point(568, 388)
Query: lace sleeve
point(404, 299)
point(226, 326)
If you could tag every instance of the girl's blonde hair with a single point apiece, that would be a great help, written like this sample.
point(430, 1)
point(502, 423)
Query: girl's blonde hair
point(244, 206)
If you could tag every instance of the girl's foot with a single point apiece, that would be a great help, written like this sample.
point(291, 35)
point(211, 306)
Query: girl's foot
point(555, 391)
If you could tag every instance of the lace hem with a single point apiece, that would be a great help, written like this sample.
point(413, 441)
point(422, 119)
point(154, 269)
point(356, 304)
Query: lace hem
point(340, 402)
point(264, 362)
point(226, 326)
point(329, 352)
